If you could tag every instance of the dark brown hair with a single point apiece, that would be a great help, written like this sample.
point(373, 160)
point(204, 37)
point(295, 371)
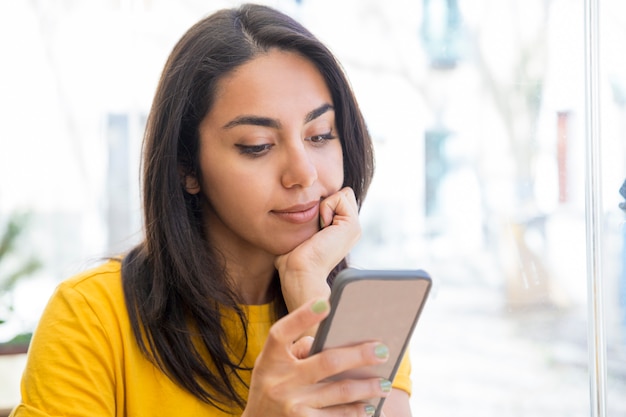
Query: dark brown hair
point(174, 282)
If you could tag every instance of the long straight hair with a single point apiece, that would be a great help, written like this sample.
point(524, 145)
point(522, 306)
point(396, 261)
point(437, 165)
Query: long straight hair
point(175, 283)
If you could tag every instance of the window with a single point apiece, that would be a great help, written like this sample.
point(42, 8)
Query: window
point(479, 114)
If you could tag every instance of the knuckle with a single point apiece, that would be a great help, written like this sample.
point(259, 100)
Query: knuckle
point(346, 390)
point(376, 388)
point(291, 406)
point(274, 392)
point(352, 410)
point(275, 333)
point(296, 409)
point(329, 362)
point(367, 354)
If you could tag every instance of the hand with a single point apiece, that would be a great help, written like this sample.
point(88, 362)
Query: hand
point(303, 271)
point(287, 382)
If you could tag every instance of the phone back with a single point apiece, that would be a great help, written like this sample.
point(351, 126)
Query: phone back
point(374, 306)
point(368, 305)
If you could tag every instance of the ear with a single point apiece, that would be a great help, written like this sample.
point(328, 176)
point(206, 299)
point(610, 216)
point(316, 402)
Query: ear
point(192, 186)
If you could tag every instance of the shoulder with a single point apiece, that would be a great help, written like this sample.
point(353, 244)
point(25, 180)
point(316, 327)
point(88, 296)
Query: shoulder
point(96, 288)
point(88, 306)
point(105, 275)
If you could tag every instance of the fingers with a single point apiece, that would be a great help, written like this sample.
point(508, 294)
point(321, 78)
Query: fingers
point(339, 213)
point(345, 410)
point(303, 270)
point(302, 347)
point(338, 206)
point(345, 398)
point(289, 328)
point(348, 397)
point(286, 381)
point(351, 391)
point(332, 362)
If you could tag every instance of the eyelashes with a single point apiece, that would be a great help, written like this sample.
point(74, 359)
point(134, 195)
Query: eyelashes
point(256, 151)
point(321, 138)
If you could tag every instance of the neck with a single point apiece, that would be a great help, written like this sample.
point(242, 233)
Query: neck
point(251, 277)
point(249, 269)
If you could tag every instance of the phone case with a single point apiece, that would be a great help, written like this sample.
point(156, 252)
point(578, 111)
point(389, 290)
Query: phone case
point(370, 305)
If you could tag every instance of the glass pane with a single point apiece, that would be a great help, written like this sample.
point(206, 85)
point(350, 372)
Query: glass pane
point(488, 125)
point(613, 171)
point(477, 110)
point(498, 138)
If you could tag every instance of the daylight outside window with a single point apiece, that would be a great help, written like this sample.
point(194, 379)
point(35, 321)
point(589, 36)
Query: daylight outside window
point(479, 114)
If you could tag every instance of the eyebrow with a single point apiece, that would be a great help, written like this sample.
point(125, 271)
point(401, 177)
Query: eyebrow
point(314, 114)
point(273, 123)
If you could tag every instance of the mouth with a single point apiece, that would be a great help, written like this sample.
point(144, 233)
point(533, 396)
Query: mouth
point(299, 213)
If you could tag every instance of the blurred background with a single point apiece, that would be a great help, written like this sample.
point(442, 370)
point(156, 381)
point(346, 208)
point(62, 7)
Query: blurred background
point(477, 109)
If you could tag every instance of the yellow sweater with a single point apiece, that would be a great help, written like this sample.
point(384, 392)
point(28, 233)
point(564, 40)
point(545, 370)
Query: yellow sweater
point(84, 361)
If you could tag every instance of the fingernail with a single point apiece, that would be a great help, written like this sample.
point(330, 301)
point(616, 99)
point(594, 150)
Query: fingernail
point(370, 410)
point(385, 385)
point(381, 351)
point(320, 306)
point(321, 222)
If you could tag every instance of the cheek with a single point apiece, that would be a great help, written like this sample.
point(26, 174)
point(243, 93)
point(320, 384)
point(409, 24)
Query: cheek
point(332, 170)
point(236, 190)
point(230, 189)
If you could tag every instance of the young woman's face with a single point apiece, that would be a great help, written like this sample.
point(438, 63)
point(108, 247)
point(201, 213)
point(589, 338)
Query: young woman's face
point(269, 152)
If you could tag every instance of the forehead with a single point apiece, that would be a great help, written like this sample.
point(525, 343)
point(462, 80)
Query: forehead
point(272, 82)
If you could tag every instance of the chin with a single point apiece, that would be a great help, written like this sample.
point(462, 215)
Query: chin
point(283, 246)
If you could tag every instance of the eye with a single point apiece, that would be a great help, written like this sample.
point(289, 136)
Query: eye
point(254, 150)
point(319, 139)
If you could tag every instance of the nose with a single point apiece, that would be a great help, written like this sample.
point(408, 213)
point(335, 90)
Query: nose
point(299, 168)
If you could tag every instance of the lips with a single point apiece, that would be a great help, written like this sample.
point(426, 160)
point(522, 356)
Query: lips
point(300, 213)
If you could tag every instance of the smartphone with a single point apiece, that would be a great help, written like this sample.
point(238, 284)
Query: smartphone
point(374, 305)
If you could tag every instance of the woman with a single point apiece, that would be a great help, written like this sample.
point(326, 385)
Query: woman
point(256, 160)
